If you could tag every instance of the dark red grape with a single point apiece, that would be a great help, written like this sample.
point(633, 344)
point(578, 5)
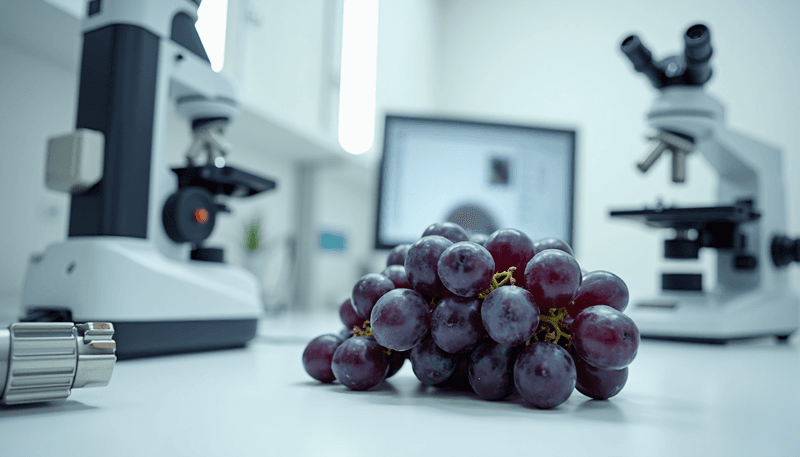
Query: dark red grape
point(459, 379)
point(551, 243)
point(397, 274)
point(568, 320)
point(396, 361)
point(367, 291)
point(397, 256)
point(479, 238)
point(399, 319)
point(466, 268)
point(456, 323)
point(510, 315)
point(599, 288)
point(432, 365)
point(605, 338)
point(491, 370)
point(318, 355)
point(449, 230)
point(544, 375)
point(596, 383)
point(422, 265)
point(347, 313)
point(360, 363)
point(510, 248)
point(553, 278)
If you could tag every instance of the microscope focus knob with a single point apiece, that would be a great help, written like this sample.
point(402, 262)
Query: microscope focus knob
point(189, 215)
point(785, 250)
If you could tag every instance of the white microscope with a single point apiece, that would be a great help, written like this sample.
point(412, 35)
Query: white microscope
point(752, 296)
point(134, 255)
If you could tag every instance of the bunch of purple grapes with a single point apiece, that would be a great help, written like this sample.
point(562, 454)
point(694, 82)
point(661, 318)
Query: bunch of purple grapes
point(494, 314)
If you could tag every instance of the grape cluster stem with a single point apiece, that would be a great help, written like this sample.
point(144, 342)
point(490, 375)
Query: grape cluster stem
point(554, 319)
point(366, 330)
point(499, 279)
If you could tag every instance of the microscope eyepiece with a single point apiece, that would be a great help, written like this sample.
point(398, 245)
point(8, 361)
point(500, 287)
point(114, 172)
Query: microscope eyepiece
point(690, 69)
point(698, 52)
point(642, 59)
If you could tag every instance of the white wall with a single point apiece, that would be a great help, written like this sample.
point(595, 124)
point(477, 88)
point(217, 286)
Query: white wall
point(36, 99)
point(559, 64)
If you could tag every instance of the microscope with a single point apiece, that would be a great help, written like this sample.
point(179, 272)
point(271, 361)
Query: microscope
point(752, 296)
point(135, 254)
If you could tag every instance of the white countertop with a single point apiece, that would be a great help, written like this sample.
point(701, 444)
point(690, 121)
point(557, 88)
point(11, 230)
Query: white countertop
point(740, 399)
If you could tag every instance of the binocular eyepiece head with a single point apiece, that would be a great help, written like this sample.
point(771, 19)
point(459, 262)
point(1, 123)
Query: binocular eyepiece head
point(690, 69)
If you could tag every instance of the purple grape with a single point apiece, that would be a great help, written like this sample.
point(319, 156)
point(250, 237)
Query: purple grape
point(544, 374)
point(360, 363)
point(491, 370)
point(345, 333)
point(551, 243)
point(449, 230)
point(510, 315)
point(432, 365)
point(397, 274)
point(347, 313)
point(422, 265)
point(397, 256)
point(466, 268)
point(318, 355)
point(396, 361)
point(459, 379)
point(596, 383)
point(479, 238)
point(367, 291)
point(599, 288)
point(553, 278)
point(456, 323)
point(605, 338)
point(568, 320)
point(400, 319)
point(511, 248)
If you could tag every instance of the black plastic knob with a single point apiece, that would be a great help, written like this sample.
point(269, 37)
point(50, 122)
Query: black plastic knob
point(785, 250)
point(189, 215)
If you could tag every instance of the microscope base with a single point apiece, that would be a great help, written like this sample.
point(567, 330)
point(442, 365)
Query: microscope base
point(716, 317)
point(157, 305)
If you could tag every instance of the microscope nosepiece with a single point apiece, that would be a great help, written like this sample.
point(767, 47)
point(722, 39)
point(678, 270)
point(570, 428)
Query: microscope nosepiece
point(43, 361)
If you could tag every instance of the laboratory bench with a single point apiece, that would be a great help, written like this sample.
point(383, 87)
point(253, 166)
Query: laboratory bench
point(681, 399)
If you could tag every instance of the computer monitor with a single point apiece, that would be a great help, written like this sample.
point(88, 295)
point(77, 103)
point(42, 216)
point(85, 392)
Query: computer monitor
point(482, 176)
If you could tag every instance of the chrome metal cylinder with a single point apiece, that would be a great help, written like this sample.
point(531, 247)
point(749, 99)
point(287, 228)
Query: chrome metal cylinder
point(43, 361)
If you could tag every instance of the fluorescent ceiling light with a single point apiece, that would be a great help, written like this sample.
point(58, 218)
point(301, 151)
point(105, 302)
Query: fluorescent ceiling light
point(357, 83)
point(211, 24)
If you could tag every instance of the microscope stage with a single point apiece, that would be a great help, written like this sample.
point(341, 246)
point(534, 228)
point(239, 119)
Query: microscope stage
point(689, 217)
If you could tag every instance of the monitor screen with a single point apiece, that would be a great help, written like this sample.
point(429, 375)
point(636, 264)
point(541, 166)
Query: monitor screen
point(482, 176)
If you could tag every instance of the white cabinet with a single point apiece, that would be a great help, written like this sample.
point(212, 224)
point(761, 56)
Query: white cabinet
point(286, 57)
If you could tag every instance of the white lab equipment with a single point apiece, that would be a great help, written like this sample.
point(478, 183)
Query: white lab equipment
point(752, 296)
point(134, 255)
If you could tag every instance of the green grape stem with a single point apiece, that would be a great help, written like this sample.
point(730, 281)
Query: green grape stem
point(499, 279)
point(554, 330)
point(367, 330)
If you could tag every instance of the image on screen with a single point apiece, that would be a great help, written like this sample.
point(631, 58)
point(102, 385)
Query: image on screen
point(482, 176)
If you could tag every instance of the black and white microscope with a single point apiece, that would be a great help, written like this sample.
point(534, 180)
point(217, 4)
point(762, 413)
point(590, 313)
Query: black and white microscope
point(134, 255)
point(752, 296)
